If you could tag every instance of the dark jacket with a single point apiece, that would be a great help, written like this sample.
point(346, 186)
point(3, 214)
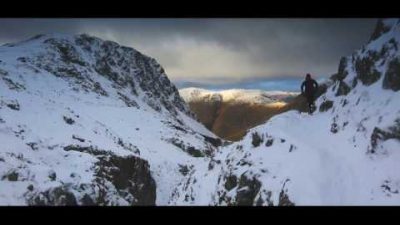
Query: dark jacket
point(309, 87)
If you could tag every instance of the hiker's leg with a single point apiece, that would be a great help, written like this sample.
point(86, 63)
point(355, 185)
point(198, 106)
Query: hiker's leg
point(312, 103)
point(309, 101)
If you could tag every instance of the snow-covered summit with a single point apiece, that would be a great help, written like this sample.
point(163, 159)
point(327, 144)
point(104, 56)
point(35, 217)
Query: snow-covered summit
point(78, 58)
point(236, 95)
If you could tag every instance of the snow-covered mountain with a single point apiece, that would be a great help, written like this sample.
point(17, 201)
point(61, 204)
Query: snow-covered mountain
point(87, 121)
point(237, 95)
point(230, 113)
point(347, 153)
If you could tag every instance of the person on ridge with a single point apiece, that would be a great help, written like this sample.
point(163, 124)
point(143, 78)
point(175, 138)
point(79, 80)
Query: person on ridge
point(309, 88)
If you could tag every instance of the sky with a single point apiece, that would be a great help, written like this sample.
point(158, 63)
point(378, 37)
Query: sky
point(219, 51)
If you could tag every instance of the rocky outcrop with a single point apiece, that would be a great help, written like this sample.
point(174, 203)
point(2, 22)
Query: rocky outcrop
point(366, 69)
point(117, 178)
point(392, 76)
point(130, 176)
point(58, 196)
point(379, 135)
point(343, 89)
point(325, 106)
point(256, 139)
point(247, 191)
point(380, 29)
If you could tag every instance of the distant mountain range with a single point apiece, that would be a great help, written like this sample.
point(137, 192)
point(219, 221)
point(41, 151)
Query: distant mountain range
point(230, 113)
point(289, 84)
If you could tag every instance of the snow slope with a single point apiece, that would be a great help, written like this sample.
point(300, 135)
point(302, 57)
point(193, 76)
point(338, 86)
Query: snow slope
point(347, 153)
point(86, 121)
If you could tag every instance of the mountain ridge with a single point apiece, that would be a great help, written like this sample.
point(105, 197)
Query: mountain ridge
point(90, 122)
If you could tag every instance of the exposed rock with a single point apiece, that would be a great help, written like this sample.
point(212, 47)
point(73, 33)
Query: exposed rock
point(129, 174)
point(52, 175)
point(184, 169)
point(33, 145)
point(14, 105)
point(325, 106)
point(344, 102)
point(334, 128)
point(269, 142)
point(343, 89)
point(342, 72)
point(99, 89)
point(86, 149)
point(392, 76)
point(231, 182)
point(284, 199)
point(292, 147)
point(68, 120)
point(379, 135)
point(366, 70)
point(194, 152)
point(67, 51)
point(186, 148)
point(256, 139)
point(380, 29)
point(387, 187)
point(78, 138)
point(216, 142)
point(128, 102)
point(13, 85)
point(130, 178)
point(87, 201)
point(11, 176)
point(58, 196)
point(30, 187)
point(247, 191)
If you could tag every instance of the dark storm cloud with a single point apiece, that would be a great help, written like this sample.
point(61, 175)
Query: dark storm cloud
point(223, 49)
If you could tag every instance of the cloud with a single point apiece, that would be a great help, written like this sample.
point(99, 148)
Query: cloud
point(219, 49)
point(191, 58)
